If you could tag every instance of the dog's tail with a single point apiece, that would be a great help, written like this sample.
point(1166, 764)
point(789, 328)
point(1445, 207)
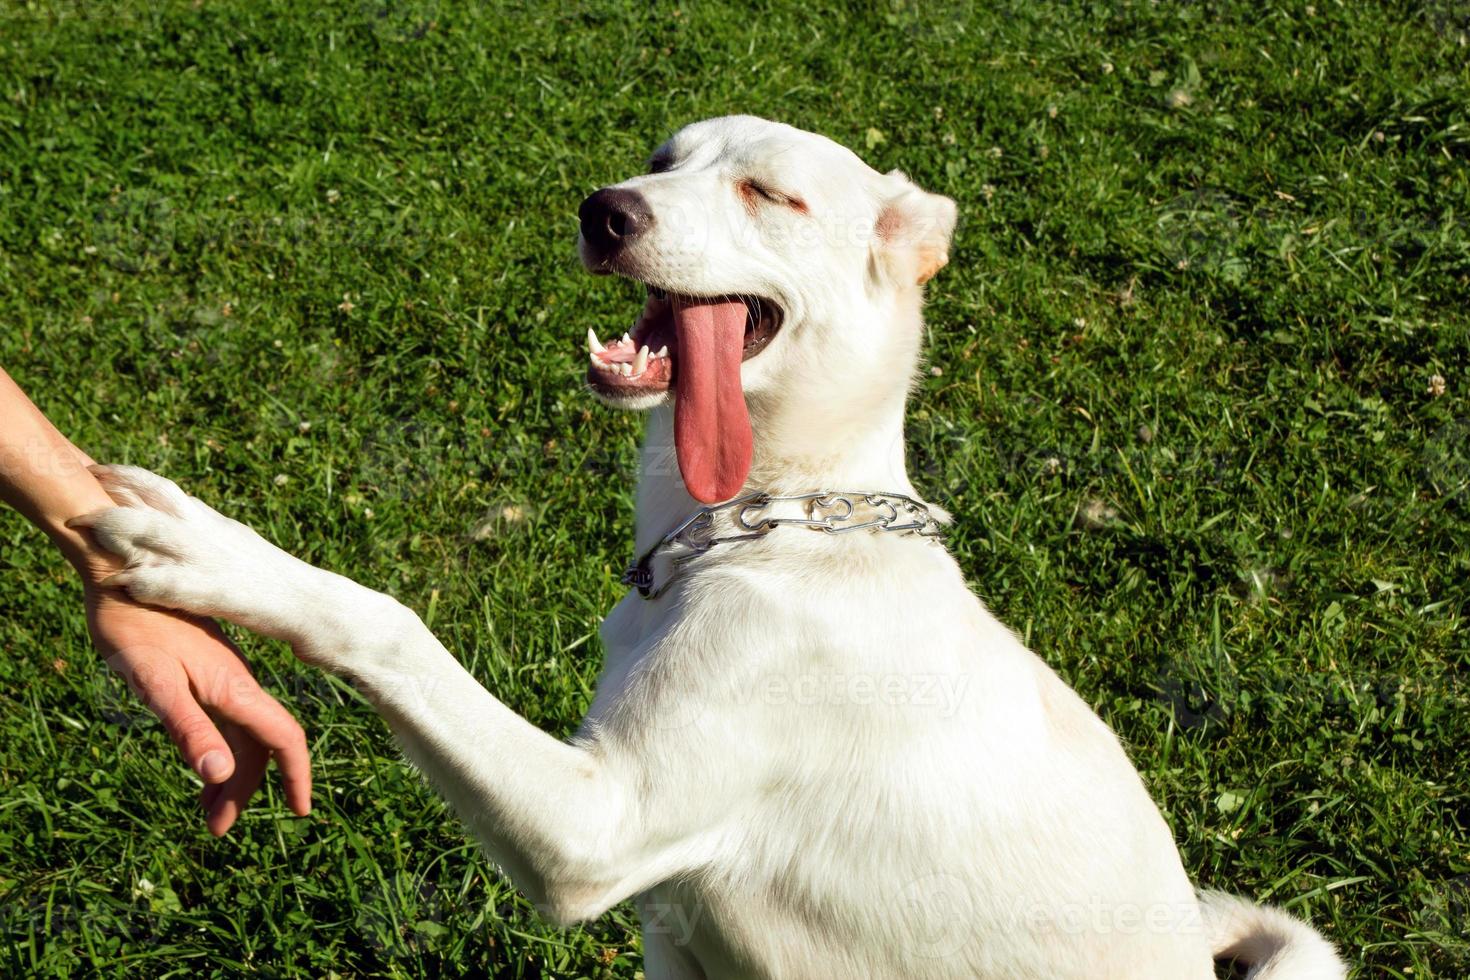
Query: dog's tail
point(1270, 943)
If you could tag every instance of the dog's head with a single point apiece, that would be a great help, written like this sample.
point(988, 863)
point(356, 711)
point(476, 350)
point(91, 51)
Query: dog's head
point(783, 279)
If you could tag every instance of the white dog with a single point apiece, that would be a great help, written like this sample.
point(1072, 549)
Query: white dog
point(813, 753)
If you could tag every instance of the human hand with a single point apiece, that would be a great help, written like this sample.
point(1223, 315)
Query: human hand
point(197, 682)
point(184, 668)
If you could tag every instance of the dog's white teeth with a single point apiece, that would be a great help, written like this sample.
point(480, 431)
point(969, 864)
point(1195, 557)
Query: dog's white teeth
point(640, 363)
point(663, 351)
point(627, 339)
point(593, 344)
point(625, 369)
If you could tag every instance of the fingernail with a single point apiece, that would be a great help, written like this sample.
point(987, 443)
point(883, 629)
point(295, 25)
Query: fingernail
point(215, 765)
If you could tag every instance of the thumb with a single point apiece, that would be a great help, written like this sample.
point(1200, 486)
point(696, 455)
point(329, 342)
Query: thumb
point(163, 687)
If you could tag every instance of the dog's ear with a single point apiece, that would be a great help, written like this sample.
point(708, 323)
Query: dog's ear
point(913, 228)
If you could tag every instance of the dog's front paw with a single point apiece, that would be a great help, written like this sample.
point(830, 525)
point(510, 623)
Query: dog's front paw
point(180, 553)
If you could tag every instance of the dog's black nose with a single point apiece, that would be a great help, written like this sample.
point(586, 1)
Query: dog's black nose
point(612, 218)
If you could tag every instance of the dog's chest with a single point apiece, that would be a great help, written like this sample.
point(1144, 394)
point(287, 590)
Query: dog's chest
point(789, 620)
point(855, 737)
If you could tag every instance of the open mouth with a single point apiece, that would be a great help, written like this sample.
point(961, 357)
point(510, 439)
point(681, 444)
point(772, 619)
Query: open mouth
point(693, 346)
point(644, 361)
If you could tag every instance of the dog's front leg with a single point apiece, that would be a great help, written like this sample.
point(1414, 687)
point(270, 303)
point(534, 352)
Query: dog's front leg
point(556, 816)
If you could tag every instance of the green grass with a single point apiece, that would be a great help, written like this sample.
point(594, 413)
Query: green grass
point(1210, 255)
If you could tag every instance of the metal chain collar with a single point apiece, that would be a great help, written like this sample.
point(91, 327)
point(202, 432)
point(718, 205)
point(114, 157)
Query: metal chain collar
point(830, 511)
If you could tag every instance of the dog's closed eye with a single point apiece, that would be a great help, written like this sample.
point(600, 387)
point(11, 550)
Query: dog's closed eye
point(753, 192)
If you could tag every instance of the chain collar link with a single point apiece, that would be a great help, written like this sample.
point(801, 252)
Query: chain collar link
point(829, 511)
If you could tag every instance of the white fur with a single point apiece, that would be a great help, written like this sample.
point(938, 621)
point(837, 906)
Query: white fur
point(816, 756)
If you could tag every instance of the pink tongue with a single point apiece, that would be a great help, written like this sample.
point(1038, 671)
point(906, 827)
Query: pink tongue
point(711, 426)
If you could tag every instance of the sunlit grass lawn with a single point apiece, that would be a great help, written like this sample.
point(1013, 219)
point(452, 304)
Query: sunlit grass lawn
point(315, 261)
